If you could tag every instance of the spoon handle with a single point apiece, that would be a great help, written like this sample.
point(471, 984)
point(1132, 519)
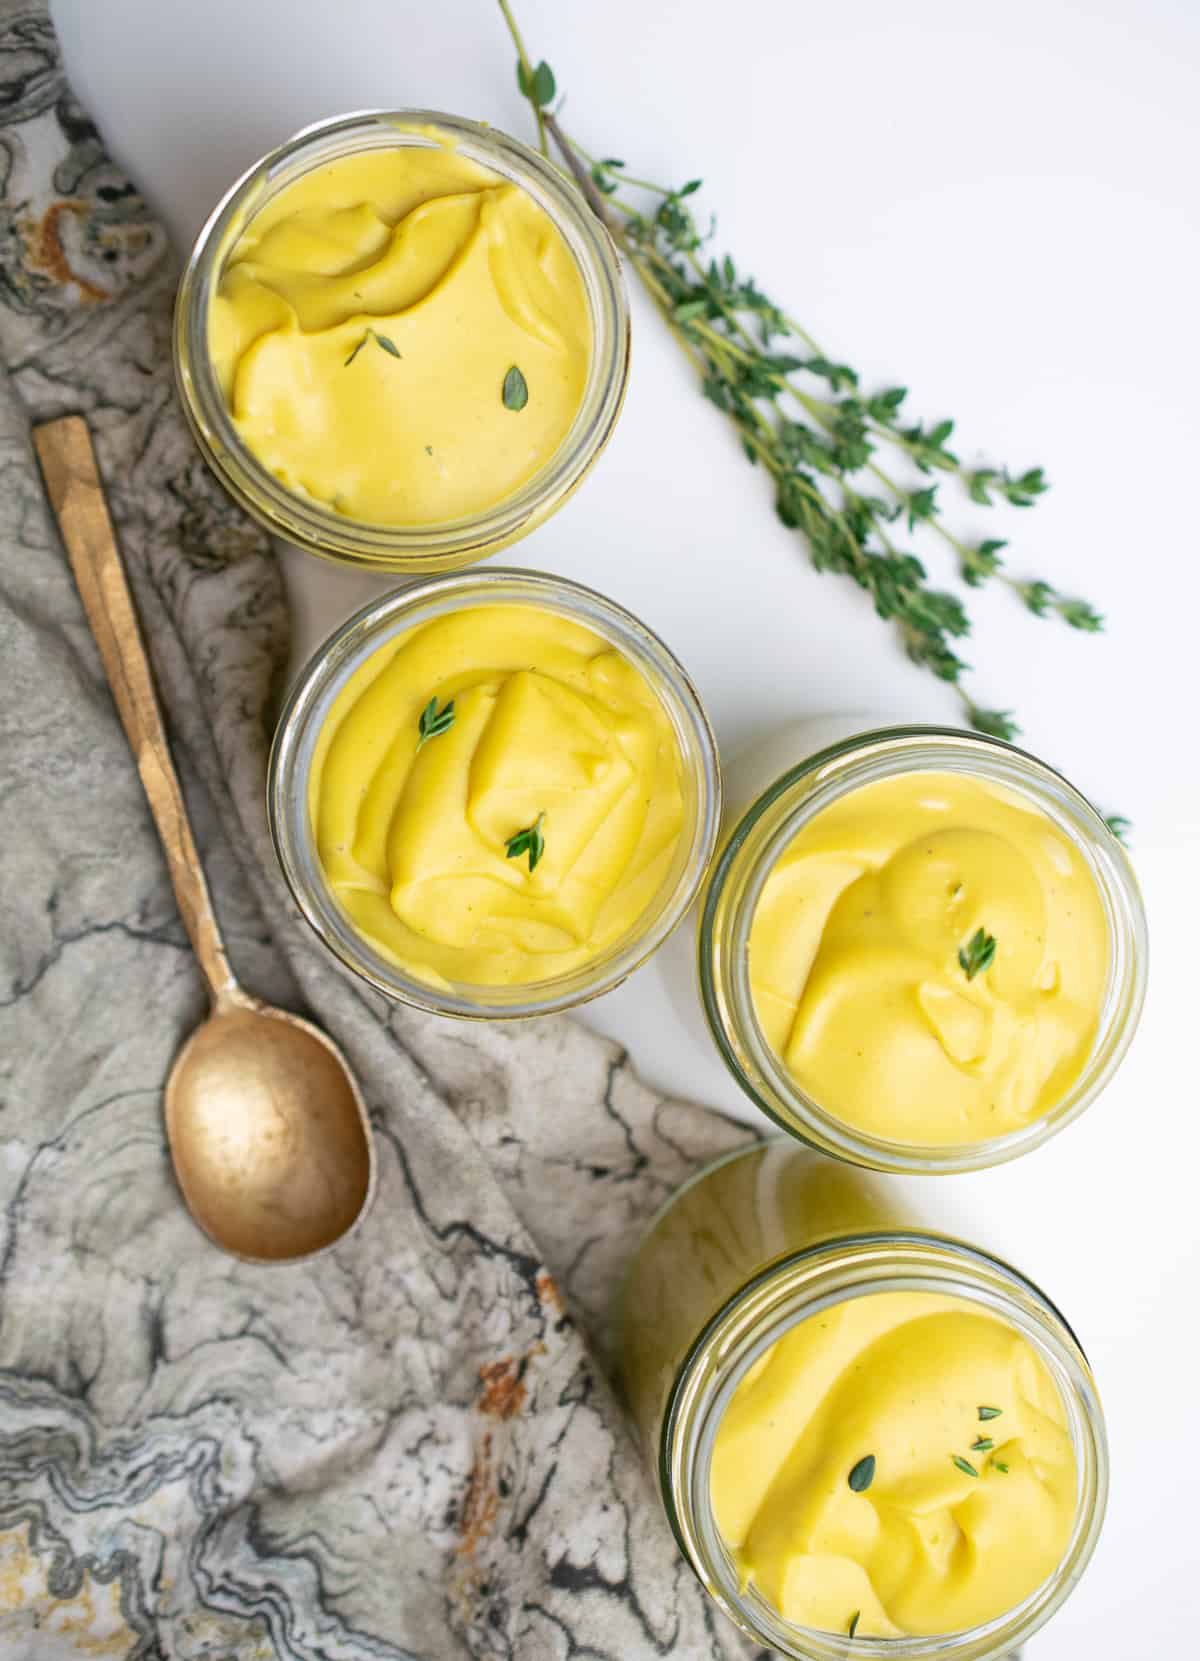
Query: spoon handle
point(68, 462)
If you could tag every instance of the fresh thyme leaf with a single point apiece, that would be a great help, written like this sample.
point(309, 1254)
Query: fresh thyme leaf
point(982, 1444)
point(982, 561)
point(543, 84)
point(432, 724)
point(975, 958)
point(986, 1413)
point(853, 1626)
point(1021, 492)
point(528, 841)
point(1119, 826)
point(389, 346)
point(1078, 614)
point(987, 482)
point(999, 1465)
point(921, 505)
point(803, 419)
point(996, 723)
point(964, 1465)
point(537, 85)
point(515, 393)
point(863, 1474)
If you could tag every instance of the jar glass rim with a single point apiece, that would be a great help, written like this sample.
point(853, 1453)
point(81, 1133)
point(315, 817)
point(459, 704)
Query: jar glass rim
point(309, 523)
point(327, 671)
point(802, 1283)
point(795, 798)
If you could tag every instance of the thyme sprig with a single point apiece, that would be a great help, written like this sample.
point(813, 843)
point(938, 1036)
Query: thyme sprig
point(976, 958)
point(434, 722)
point(384, 342)
point(529, 841)
point(808, 420)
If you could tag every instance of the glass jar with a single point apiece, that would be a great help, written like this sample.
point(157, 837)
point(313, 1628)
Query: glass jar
point(758, 1241)
point(385, 619)
point(763, 832)
point(312, 525)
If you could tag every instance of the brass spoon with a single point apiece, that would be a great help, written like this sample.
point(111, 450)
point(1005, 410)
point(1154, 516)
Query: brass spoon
point(264, 1119)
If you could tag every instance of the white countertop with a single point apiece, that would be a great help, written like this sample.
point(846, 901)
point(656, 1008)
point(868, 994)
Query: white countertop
point(997, 207)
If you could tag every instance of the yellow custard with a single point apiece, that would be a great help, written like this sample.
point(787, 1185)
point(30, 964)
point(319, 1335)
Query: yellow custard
point(369, 319)
point(551, 727)
point(855, 964)
point(834, 1476)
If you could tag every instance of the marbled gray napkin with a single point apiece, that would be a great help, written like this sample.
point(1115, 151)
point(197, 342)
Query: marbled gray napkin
point(411, 1447)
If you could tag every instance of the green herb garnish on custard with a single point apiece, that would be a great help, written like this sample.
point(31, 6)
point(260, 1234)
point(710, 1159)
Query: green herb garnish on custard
point(434, 723)
point(514, 392)
point(975, 958)
point(382, 341)
point(528, 841)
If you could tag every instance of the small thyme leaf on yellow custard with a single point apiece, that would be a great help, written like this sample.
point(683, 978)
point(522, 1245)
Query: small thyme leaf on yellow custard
point(964, 1465)
point(382, 341)
point(977, 956)
point(863, 1474)
point(982, 1444)
point(986, 1413)
point(514, 392)
point(434, 723)
point(854, 1620)
point(999, 1465)
point(528, 841)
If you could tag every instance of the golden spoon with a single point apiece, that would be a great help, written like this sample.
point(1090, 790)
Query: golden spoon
point(264, 1119)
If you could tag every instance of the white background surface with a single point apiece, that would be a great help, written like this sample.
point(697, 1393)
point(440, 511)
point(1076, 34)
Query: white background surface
point(995, 205)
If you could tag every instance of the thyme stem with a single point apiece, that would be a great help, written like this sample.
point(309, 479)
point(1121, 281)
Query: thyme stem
point(814, 445)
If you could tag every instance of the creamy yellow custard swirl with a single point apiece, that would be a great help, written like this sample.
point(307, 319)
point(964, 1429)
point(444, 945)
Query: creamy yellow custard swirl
point(970, 1496)
point(855, 964)
point(367, 319)
point(550, 724)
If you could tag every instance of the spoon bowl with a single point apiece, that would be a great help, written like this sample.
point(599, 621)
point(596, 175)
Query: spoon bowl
point(265, 1123)
point(268, 1134)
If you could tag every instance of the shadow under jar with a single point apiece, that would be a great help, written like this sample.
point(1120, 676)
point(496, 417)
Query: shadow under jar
point(791, 804)
point(664, 872)
point(300, 516)
point(774, 1236)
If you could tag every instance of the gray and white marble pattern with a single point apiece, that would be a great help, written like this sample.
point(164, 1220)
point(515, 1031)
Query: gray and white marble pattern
point(411, 1447)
